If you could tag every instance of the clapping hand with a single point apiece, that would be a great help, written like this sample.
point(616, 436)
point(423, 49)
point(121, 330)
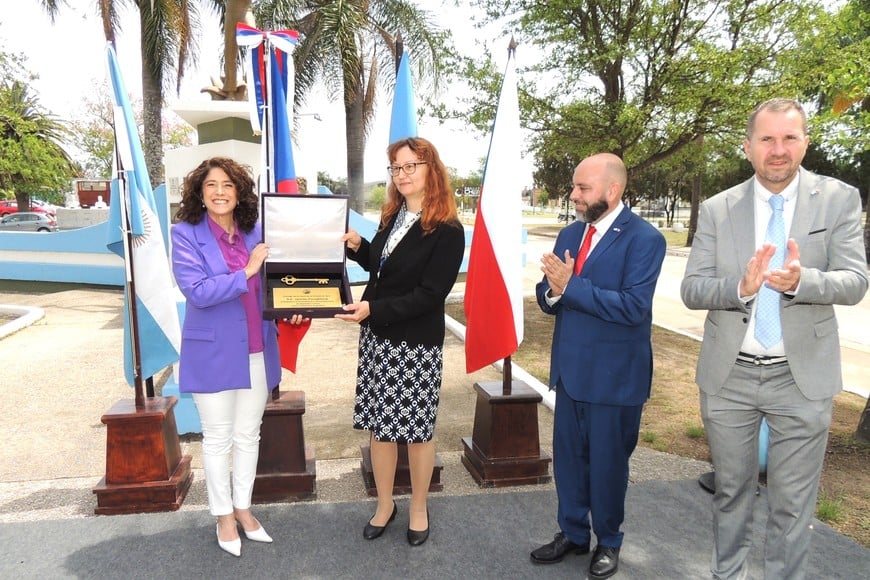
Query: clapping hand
point(557, 271)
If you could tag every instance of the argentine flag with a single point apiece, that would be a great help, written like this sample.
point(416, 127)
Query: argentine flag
point(158, 332)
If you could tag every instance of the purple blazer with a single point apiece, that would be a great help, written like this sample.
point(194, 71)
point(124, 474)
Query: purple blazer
point(214, 336)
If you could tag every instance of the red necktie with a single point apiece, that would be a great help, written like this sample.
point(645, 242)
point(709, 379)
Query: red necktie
point(584, 250)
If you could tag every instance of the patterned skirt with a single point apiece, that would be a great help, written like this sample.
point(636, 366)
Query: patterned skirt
point(397, 389)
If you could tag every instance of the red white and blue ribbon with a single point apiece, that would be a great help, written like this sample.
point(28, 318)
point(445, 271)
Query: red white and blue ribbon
point(284, 41)
point(270, 94)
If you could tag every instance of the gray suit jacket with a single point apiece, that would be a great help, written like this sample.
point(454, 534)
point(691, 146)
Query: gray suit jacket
point(827, 228)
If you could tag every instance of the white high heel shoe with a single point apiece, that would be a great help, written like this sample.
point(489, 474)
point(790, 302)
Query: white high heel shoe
point(258, 535)
point(233, 547)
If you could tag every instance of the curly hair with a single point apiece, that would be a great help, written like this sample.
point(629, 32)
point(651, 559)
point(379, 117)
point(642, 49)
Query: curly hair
point(246, 212)
point(438, 203)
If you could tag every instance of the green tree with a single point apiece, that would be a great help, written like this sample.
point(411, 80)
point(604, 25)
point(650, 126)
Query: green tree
point(32, 159)
point(541, 197)
point(377, 197)
point(93, 134)
point(334, 185)
point(349, 46)
point(842, 94)
point(167, 43)
point(647, 79)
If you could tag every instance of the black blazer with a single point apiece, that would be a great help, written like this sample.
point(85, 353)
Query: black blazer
point(406, 300)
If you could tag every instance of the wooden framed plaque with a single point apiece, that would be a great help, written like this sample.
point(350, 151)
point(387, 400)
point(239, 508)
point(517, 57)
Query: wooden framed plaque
point(305, 271)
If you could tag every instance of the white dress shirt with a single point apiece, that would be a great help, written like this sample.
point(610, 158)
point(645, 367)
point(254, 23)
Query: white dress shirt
point(763, 211)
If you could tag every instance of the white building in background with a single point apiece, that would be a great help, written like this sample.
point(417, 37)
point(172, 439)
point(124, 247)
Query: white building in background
point(223, 129)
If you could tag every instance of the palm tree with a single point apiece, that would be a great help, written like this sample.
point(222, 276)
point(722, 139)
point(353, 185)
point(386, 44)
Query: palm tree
point(167, 43)
point(348, 45)
point(33, 159)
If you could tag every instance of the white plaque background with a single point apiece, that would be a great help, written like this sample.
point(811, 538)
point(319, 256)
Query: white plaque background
point(304, 229)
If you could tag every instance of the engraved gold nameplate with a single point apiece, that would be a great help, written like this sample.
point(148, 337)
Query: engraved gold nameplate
point(302, 297)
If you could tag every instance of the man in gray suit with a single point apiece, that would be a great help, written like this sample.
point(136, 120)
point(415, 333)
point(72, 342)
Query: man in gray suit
point(783, 362)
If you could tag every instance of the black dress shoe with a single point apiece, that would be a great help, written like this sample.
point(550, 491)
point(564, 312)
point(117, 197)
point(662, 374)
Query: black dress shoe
point(556, 550)
point(371, 532)
point(416, 538)
point(605, 562)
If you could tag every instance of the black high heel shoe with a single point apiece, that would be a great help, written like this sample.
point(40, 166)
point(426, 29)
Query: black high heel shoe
point(416, 538)
point(371, 532)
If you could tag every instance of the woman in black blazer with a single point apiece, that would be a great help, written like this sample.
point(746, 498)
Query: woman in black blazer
point(412, 261)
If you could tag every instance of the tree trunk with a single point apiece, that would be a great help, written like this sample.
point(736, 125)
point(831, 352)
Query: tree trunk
point(696, 196)
point(356, 146)
point(863, 432)
point(22, 200)
point(152, 103)
point(864, 160)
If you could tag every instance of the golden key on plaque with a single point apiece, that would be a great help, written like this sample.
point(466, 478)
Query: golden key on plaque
point(290, 280)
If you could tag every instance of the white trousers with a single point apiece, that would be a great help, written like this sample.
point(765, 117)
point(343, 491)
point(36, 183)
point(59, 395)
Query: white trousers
point(231, 422)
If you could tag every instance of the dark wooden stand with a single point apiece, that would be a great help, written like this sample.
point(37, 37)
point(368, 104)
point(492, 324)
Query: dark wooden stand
point(505, 447)
point(145, 471)
point(402, 482)
point(286, 470)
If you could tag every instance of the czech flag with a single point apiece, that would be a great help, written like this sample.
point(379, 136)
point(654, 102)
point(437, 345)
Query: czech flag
point(494, 284)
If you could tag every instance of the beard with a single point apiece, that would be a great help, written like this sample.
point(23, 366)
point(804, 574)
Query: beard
point(594, 211)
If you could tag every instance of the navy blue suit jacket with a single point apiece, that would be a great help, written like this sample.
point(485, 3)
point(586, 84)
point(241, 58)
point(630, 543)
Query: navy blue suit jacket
point(601, 348)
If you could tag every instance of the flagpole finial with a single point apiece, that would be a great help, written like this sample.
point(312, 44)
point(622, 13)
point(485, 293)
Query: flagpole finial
point(512, 46)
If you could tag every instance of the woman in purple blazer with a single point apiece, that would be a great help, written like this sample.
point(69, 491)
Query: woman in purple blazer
point(229, 354)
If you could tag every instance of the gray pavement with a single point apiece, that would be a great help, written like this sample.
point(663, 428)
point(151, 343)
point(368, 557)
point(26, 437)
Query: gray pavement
point(63, 370)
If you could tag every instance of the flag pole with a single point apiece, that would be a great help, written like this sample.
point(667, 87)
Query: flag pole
point(267, 113)
point(507, 371)
point(124, 198)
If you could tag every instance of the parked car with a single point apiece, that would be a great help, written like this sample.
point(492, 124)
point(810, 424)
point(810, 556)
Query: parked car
point(28, 221)
point(567, 217)
point(50, 208)
point(8, 206)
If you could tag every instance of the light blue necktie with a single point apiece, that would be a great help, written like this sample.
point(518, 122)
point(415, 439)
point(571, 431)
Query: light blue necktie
point(768, 330)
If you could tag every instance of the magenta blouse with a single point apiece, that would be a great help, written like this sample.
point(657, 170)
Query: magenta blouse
point(236, 255)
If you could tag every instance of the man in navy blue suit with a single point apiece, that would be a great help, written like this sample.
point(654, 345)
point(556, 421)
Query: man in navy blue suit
point(599, 283)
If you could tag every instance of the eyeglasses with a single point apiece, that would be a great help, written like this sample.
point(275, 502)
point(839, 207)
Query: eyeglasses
point(408, 168)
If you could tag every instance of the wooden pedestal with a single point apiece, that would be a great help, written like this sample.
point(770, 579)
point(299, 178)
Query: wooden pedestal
point(286, 470)
point(402, 482)
point(504, 448)
point(145, 471)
